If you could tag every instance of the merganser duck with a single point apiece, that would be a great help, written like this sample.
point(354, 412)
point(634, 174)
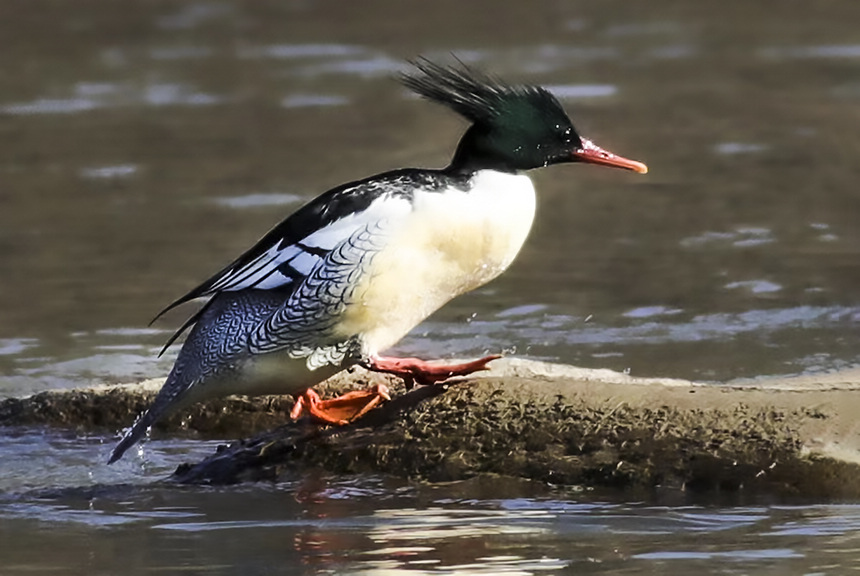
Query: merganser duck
point(354, 270)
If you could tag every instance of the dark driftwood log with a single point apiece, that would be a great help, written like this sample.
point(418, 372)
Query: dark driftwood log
point(549, 423)
point(266, 455)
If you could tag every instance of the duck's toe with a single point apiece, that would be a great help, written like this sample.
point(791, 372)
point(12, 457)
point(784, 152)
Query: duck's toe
point(341, 410)
point(414, 369)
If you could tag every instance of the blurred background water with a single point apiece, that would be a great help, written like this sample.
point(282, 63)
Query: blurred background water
point(145, 144)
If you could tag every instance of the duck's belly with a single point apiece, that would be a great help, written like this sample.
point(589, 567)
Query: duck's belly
point(272, 373)
point(451, 243)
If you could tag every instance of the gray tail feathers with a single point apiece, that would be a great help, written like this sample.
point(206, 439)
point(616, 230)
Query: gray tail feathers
point(143, 422)
point(168, 399)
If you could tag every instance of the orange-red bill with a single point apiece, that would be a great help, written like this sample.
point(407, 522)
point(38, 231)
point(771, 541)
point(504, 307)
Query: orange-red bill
point(591, 153)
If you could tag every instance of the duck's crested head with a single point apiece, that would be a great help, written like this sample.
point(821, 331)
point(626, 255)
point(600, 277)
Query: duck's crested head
point(514, 127)
point(519, 127)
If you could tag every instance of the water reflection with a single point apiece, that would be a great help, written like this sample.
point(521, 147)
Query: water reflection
point(370, 524)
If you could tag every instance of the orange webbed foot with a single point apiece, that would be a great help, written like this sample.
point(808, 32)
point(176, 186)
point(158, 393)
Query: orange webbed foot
point(414, 370)
point(341, 410)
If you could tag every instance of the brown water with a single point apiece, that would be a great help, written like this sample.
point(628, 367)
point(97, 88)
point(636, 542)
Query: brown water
point(145, 144)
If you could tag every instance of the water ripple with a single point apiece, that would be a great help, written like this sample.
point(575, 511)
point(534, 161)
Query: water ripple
point(258, 200)
point(762, 554)
point(94, 96)
point(553, 329)
point(312, 100)
point(812, 52)
point(743, 236)
point(298, 51)
point(579, 91)
point(109, 172)
point(13, 346)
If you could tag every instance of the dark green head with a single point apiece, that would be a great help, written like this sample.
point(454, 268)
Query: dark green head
point(513, 127)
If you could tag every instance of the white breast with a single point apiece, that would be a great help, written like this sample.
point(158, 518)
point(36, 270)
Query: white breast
point(452, 242)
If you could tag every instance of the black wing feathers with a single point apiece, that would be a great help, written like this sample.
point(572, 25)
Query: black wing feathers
point(350, 198)
point(316, 214)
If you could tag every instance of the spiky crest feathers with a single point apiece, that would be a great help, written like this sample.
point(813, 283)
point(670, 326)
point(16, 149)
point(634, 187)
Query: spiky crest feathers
point(475, 95)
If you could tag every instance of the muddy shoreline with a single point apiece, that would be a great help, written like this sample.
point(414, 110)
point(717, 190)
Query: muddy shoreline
point(553, 423)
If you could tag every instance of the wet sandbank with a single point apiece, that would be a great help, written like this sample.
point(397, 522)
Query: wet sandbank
point(548, 422)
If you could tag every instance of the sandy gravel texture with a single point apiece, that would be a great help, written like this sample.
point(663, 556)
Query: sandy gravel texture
point(555, 423)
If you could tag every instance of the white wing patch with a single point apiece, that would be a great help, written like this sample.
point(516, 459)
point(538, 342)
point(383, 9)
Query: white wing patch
point(305, 325)
point(265, 270)
point(303, 263)
point(330, 236)
point(282, 265)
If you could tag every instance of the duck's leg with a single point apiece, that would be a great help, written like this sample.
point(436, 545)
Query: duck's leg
point(353, 405)
point(341, 410)
point(414, 370)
